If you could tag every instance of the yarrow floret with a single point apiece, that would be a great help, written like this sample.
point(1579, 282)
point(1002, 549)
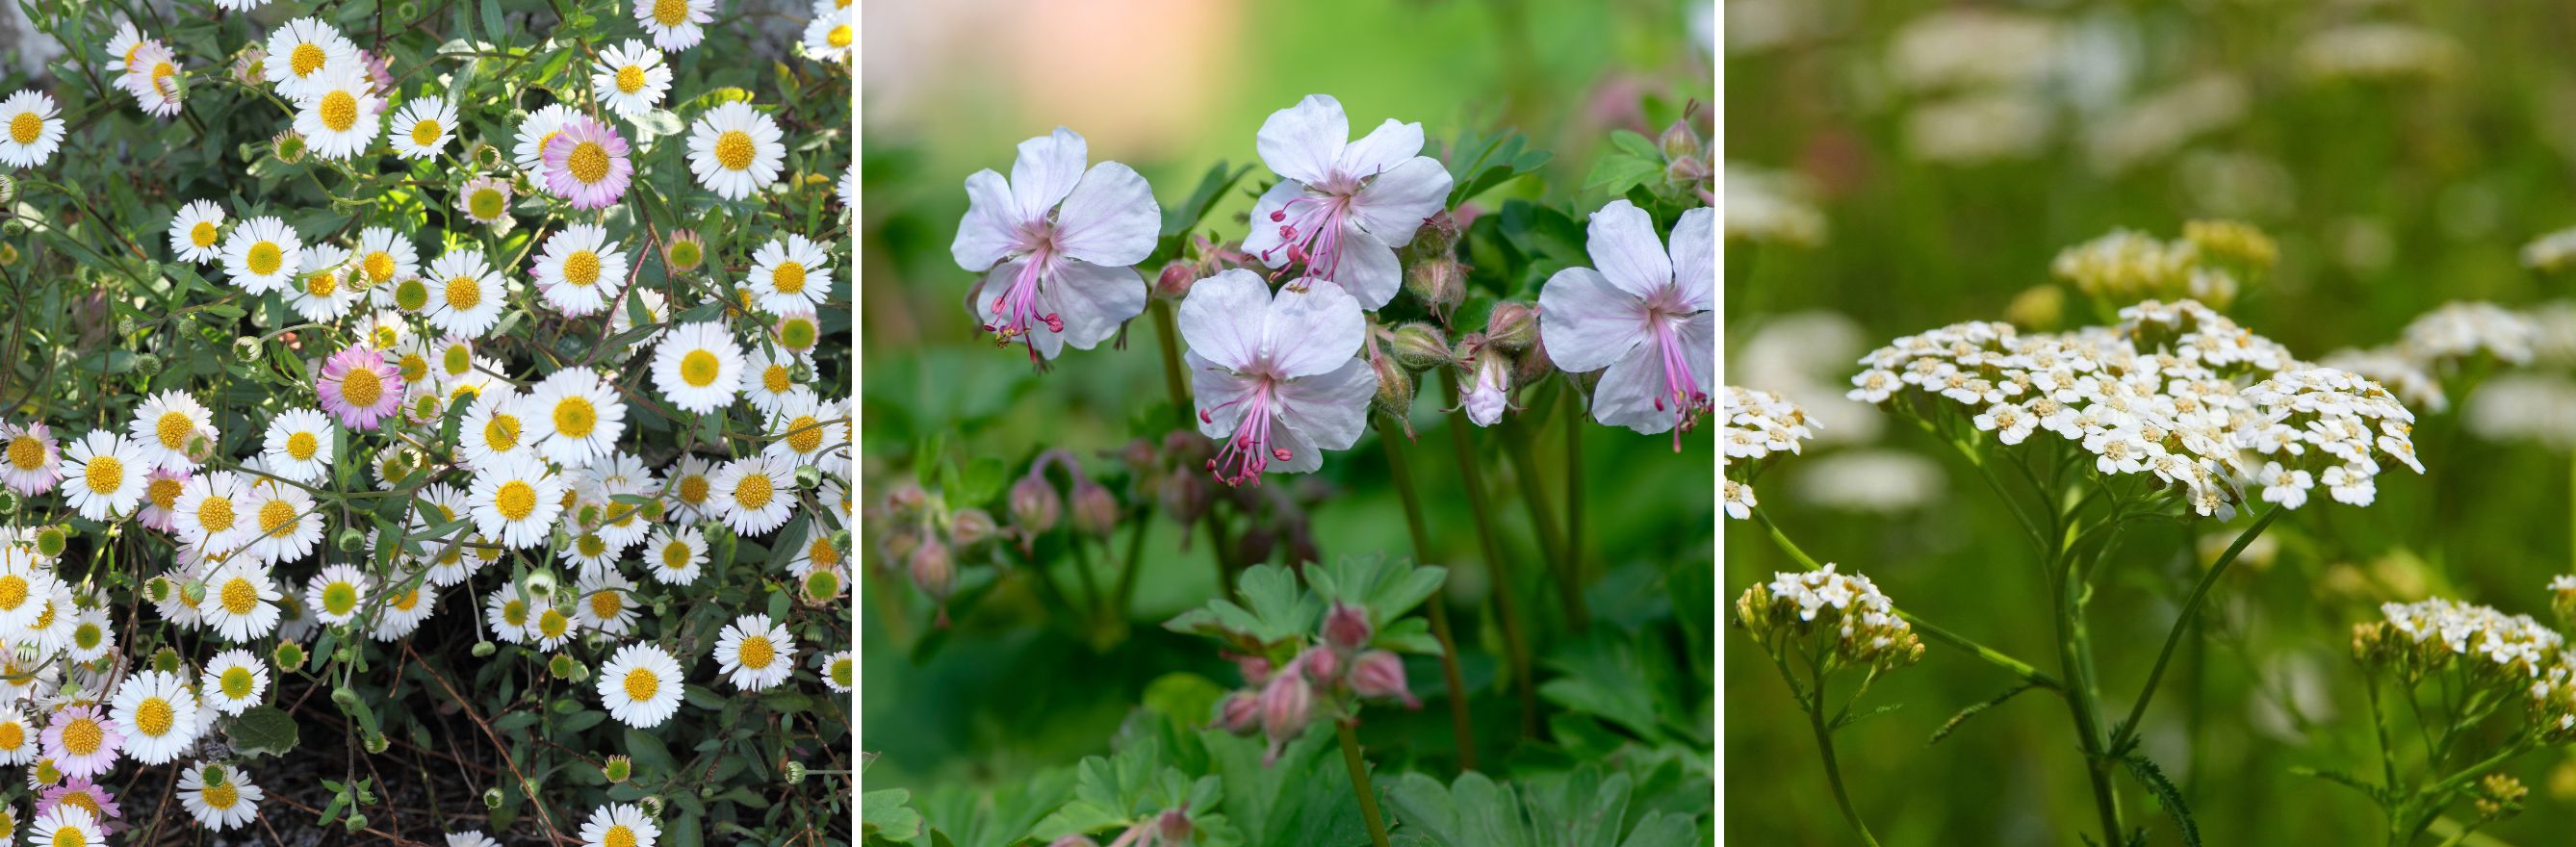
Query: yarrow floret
point(1856, 625)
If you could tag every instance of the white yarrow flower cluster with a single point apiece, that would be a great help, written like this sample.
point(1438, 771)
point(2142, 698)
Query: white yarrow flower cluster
point(1756, 425)
point(2513, 644)
point(1847, 608)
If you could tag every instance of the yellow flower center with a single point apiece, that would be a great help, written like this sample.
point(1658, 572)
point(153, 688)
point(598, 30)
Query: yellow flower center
point(675, 555)
point(265, 258)
point(553, 623)
point(155, 717)
point(699, 368)
point(425, 133)
point(822, 552)
point(339, 598)
point(214, 515)
point(361, 387)
point(407, 600)
point(754, 491)
point(164, 492)
point(457, 361)
point(104, 474)
point(576, 417)
point(670, 12)
point(756, 652)
point(301, 446)
point(71, 836)
point(788, 278)
point(322, 284)
point(487, 203)
point(686, 254)
point(235, 682)
point(305, 59)
point(641, 684)
point(581, 268)
point(13, 591)
point(501, 433)
point(83, 736)
point(693, 490)
point(239, 596)
point(841, 672)
point(630, 79)
point(464, 292)
point(380, 266)
point(413, 366)
point(516, 500)
point(515, 612)
point(606, 604)
point(26, 127)
point(412, 295)
point(620, 835)
point(839, 36)
point(797, 334)
point(12, 735)
point(339, 111)
point(589, 162)
point(173, 429)
point(592, 545)
point(220, 796)
point(203, 233)
point(88, 636)
point(804, 434)
point(734, 149)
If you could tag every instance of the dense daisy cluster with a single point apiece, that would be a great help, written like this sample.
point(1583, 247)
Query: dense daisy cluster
point(2175, 390)
point(1856, 625)
point(1757, 425)
point(564, 418)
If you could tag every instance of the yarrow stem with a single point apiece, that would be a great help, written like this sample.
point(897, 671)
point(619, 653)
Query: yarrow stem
point(2128, 729)
point(1400, 466)
point(1815, 704)
point(1992, 656)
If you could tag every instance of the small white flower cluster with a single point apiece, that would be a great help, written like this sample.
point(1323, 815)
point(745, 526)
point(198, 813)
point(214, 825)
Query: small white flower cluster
point(1770, 207)
point(2162, 393)
point(1864, 624)
point(2551, 253)
point(2379, 51)
point(2539, 408)
point(1757, 424)
point(2403, 375)
point(2513, 645)
point(2464, 329)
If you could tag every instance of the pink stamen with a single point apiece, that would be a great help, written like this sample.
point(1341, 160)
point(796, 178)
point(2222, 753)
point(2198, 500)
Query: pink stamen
point(1249, 451)
point(1310, 231)
point(1689, 401)
point(1015, 309)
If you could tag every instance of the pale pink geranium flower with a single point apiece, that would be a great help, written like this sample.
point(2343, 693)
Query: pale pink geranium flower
point(1061, 244)
point(1342, 207)
point(1275, 376)
point(1644, 315)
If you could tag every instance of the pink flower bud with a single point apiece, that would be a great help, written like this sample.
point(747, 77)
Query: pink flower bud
point(898, 546)
point(1439, 282)
point(1323, 666)
point(1239, 713)
point(1532, 364)
point(1175, 280)
point(1256, 670)
point(1513, 326)
point(1287, 704)
point(906, 498)
point(1185, 495)
point(1174, 827)
point(1380, 675)
point(1095, 510)
point(1346, 627)
point(1486, 391)
point(1394, 388)
point(1035, 506)
point(933, 570)
point(969, 527)
point(1420, 347)
point(1679, 141)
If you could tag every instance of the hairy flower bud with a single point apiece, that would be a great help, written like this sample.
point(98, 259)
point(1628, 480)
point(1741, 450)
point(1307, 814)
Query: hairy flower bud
point(1185, 495)
point(1394, 388)
point(1420, 347)
point(906, 498)
point(1346, 627)
point(1513, 326)
point(1095, 510)
point(1175, 281)
point(933, 570)
point(484, 649)
point(1239, 712)
point(1256, 669)
point(1379, 675)
point(970, 527)
point(289, 656)
point(1485, 389)
point(492, 797)
point(1287, 704)
point(1035, 507)
point(897, 546)
point(1323, 666)
point(1173, 827)
point(1679, 141)
point(617, 768)
point(1439, 282)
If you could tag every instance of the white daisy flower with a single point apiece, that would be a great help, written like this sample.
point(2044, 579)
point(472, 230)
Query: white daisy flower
point(828, 37)
point(798, 433)
point(607, 602)
point(422, 127)
point(66, 825)
point(754, 653)
point(581, 271)
point(285, 525)
point(196, 230)
point(577, 416)
point(471, 839)
point(640, 685)
point(469, 295)
point(240, 602)
point(321, 292)
point(51, 632)
point(18, 743)
point(791, 273)
point(383, 256)
point(262, 255)
point(93, 635)
point(770, 379)
point(485, 200)
point(540, 129)
point(25, 588)
point(35, 129)
point(158, 714)
point(298, 443)
point(493, 429)
point(548, 626)
point(676, 556)
point(154, 80)
point(687, 487)
point(210, 510)
point(630, 78)
point(234, 681)
point(163, 425)
point(508, 615)
point(735, 150)
point(754, 495)
point(306, 55)
point(516, 501)
point(697, 367)
point(103, 475)
point(338, 114)
point(335, 594)
point(675, 24)
point(220, 797)
point(402, 612)
point(840, 672)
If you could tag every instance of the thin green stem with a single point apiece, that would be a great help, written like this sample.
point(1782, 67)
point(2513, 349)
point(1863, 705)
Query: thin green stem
point(1360, 782)
point(1574, 547)
point(1176, 382)
point(1127, 572)
point(1833, 770)
point(1569, 581)
point(2128, 729)
point(1471, 476)
point(1992, 656)
point(1399, 465)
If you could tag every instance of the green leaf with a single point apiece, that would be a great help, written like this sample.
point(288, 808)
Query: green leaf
point(1278, 611)
point(883, 814)
point(1616, 174)
point(1972, 710)
point(492, 19)
point(1179, 220)
point(2167, 795)
point(264, 729)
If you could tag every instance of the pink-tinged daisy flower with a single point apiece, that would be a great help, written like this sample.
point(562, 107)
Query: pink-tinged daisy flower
point(1060, 244)
point(360, 388)
point(152, 75)
point(586, 165)
point(161, 497)
point(1342, 207)
point(82, 742)
point(85, 795)
point(1275, 375)
point(1644, 315)
point(32, 461)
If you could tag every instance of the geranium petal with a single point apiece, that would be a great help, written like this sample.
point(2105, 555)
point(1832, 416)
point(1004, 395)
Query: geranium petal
point(1110, 218)
point(1367, 269)
point(1627, 393)
point(1624, 246)
point(1303, 141)
point(1394, 206)
point(1384, 148)
point(1218, 391)
point(1222, 318)
point(1585, 322)
point(1694, 254)
point(1312, 332)
point(988, 231)
point(1047, 169)
point(1093, 300)
point(1330, 409)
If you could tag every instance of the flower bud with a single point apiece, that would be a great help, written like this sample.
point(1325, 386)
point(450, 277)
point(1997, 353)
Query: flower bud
point(1035, 507)
point(1174, 827)
point(1394, 388)
point(1486, 390)
point(562, 666)
point(1679, 141)
point(899, 544)
point(1379, 675)
point(1439, 282)
point(792, 772)
point(651, 804)
point(492, 797)
point(1513, 326)
point(823, 585)
point(289, 656)
point(9, 503)
point(1323, 666)
point(53, 540)
point(8, 189)
point(246, 349)
point(1095, 510)
point(1185, 495)
point(933, 570)
point(346, 698)
point(1175, 281)
point(1239, 713)
point(1420, 347)
point(970, 527)
point(1286, 705)
point(376, 742)
point(1256, 669)
point(906, 499)
point(1346, 627)
point(357, 822)
point(617, 769)
point(352, 541)
point(484, 649)
point(1687, 170)
point(147, 364)
point(289, 147)
point(1438, 236)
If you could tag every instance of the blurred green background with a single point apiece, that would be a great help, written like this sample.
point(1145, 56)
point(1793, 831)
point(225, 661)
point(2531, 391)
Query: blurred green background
point(2402, 154)
point(1172, 88)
